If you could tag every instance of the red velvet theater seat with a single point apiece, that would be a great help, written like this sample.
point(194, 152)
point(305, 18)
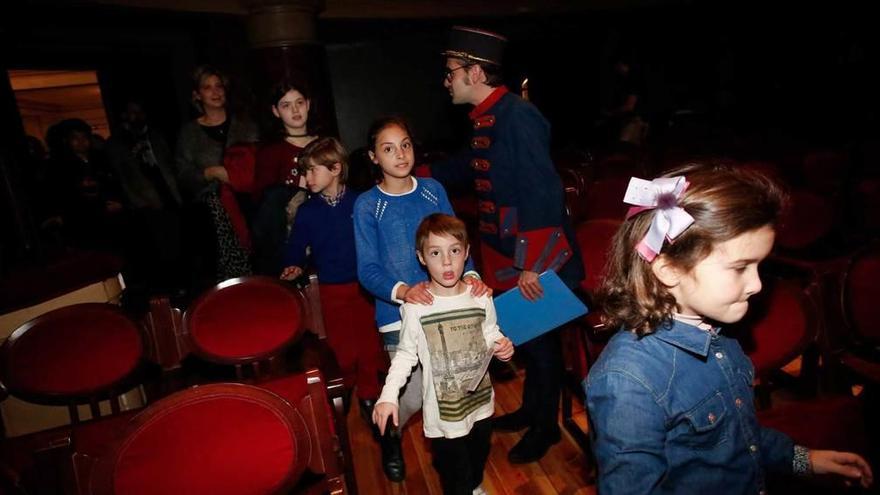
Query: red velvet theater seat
point(226, 438)
point(78, 354)
point(244, 320)
point(808, 218)
point(594, 238)
point(230, 439)
point(861, 291)
point(781, 325)
point(581, 342)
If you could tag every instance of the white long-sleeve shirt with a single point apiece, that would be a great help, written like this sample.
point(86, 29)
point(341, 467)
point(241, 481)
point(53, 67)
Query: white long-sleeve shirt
point(449, 339)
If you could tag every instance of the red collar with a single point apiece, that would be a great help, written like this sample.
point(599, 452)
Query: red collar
point(486, 104)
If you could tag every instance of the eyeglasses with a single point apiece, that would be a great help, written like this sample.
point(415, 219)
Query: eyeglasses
point(448, 72)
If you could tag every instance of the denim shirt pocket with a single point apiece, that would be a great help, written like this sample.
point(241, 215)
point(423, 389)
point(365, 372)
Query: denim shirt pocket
point(706, 422)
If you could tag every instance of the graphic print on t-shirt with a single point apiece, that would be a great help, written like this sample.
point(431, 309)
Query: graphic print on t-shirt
point(457, 347)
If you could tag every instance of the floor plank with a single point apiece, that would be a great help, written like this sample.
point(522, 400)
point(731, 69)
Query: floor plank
point(562, 471)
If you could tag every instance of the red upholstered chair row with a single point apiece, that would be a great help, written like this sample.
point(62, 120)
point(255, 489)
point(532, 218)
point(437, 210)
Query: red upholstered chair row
point(256, 322)
point(783, 322)
point(581, 342)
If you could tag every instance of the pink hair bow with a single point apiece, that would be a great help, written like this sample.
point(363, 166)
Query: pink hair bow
point(670, 220)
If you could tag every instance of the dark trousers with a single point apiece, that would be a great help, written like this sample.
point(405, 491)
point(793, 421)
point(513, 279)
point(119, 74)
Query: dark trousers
point(543, 383)
point(460, 461)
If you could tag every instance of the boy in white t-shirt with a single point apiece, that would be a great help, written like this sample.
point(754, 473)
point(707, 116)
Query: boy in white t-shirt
point(450, 338)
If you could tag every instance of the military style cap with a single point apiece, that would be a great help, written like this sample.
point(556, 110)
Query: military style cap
point(475, 45)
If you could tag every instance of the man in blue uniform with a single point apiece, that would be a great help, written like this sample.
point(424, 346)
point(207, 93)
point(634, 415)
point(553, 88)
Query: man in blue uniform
point(524, 229)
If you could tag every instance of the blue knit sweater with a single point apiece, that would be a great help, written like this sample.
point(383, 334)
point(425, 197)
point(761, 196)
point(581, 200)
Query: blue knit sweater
point(385, 236)
point(328, 230)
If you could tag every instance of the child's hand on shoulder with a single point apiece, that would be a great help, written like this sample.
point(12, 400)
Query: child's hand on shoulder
point(845, 464)
point(478, 287)
point(417, 294)
point(291, 272)
point(381, 411)
point(503, 349)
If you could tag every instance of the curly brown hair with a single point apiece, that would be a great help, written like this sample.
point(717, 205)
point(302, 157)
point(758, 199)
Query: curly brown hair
point(724, 201)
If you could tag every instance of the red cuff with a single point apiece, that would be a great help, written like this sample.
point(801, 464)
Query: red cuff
point(422, 171)
point(541, 250)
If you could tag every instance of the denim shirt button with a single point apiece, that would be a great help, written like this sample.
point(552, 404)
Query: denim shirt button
point(719, 355)
point(738, 402)
point(711, 417)
point(753, 448)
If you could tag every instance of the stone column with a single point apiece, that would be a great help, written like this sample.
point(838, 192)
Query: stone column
point(284, 44)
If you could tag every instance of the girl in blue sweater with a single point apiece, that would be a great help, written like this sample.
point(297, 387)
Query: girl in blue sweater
point(385, 221)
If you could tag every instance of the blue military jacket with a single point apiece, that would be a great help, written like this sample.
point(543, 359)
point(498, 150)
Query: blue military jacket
point(522, 219)
point(673, 412)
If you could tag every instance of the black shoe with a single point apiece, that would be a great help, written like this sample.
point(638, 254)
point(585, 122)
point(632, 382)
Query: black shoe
point(392, 454)
point(367, 410)
point(514, 421)
point(533, 445)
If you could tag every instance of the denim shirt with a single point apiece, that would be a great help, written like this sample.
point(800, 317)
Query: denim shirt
point(673, 412)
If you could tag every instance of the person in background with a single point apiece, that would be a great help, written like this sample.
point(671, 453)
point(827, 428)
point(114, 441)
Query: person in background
point(143, 161)
point(84, 192)
point(217, 250)
point(278, 189)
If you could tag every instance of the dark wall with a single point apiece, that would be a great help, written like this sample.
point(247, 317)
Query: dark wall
point(786, 71)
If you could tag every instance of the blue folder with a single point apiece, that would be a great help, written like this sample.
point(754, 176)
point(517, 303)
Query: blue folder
point(522, 320)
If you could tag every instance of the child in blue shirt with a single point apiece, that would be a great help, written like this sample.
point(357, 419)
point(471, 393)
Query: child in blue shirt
point(385, 221)
point(670, 398)
point(324, 224)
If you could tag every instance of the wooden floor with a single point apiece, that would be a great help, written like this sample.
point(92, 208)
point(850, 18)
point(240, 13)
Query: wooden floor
point(562, 471)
